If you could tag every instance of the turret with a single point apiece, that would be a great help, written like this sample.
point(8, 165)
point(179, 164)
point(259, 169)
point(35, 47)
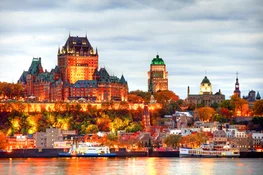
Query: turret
point(258, 96)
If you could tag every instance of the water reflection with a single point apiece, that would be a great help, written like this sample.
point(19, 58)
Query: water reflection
point(130, 166)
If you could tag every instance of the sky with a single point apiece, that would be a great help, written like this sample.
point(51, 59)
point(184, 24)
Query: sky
point(219, 37)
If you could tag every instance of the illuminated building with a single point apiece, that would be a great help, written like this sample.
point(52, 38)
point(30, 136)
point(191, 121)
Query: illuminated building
point(76, 76)
point(19, 141)
point(157, 76)
point(206, 96)
point(77, 60)
point(146, 118)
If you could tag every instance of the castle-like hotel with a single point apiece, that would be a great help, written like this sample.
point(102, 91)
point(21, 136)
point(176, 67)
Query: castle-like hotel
point(75, 77)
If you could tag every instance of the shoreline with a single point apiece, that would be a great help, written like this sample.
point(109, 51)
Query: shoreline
point(53, 153)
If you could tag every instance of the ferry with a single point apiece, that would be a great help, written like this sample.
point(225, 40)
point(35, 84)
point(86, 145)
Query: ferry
point(210, 150)
point(88, 150)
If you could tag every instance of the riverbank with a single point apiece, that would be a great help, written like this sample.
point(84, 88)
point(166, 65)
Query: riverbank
point(49, 153)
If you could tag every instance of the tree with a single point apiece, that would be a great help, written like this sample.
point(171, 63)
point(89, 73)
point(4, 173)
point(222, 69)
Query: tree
point(166, 96)
point(103, 123)
point(205, 113)
point(258, 120)
point(226, 104)
point(238, 103)
point(225, 112)
point(219, 118)
point(144, 95)
point(134, 127)
point(258, 108)
point(133, 98)
point(215, 105)
point(92, 129)
point(172, 140)
point(112, 137)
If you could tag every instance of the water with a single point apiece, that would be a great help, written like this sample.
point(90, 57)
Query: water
point(130, 166)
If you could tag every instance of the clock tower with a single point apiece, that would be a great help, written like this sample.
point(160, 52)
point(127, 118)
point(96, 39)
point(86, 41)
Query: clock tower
point(237, 91)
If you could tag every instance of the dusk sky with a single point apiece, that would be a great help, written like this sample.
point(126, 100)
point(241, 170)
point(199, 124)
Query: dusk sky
point(220, 37)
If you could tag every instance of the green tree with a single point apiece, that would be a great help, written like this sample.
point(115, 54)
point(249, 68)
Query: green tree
point(219, 118)
point(92, 129)
point(134, 127)
point(226, 104)
point(172, 140)
point(112, 137)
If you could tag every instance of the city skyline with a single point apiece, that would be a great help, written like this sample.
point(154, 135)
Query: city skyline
point(192, 37)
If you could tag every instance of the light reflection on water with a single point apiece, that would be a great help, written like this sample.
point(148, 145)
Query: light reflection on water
point(130, 166)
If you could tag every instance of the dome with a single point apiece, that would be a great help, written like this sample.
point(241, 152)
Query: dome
point(158, 60)
point(205, 80)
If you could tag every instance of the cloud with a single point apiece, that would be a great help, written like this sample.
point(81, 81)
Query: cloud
point(221, 37)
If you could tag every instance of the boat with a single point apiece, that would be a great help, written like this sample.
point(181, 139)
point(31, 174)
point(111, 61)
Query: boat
point(88, 150)
point(210, 150)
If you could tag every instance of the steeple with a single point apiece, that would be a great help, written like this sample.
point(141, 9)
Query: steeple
point(58, 50)
point(237, 91)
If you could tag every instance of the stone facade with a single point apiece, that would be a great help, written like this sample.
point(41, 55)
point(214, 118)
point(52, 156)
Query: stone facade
point(157, 76)
point(206, 96)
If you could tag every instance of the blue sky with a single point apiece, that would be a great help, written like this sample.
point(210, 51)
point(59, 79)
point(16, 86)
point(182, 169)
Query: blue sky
point(220, 37)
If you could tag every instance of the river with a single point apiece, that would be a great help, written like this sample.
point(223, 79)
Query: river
point(130, 166)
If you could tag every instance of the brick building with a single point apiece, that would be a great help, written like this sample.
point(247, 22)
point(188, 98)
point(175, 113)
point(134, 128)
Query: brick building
point(76, 76)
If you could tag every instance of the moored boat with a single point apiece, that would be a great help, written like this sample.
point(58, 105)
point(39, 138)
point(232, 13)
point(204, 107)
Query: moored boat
point(210, 150)
point(88, 150)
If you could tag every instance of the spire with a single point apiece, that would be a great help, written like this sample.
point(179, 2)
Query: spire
point(97, 51)
point(58, 50)
point(258, 96)
point(237, 91)
point(122, 80)
point(86, 34)
point(69, 33)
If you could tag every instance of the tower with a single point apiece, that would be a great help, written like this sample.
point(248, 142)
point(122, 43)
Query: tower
point(157, 76)
point(206, 87)
point(77, 60)
point(237, 91)
point(146, 118)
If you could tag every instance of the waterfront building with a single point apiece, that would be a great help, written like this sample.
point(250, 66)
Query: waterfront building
point(48, 138)
point(40, 139)
point(76, 77)
point(19, 141)
point(157, 76)
point(257, 140)
point(206, 96)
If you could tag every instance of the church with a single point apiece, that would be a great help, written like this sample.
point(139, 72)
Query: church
point(206, 96)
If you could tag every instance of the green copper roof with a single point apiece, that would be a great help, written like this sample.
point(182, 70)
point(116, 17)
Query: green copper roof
point(158, 60)
point(205, 80)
